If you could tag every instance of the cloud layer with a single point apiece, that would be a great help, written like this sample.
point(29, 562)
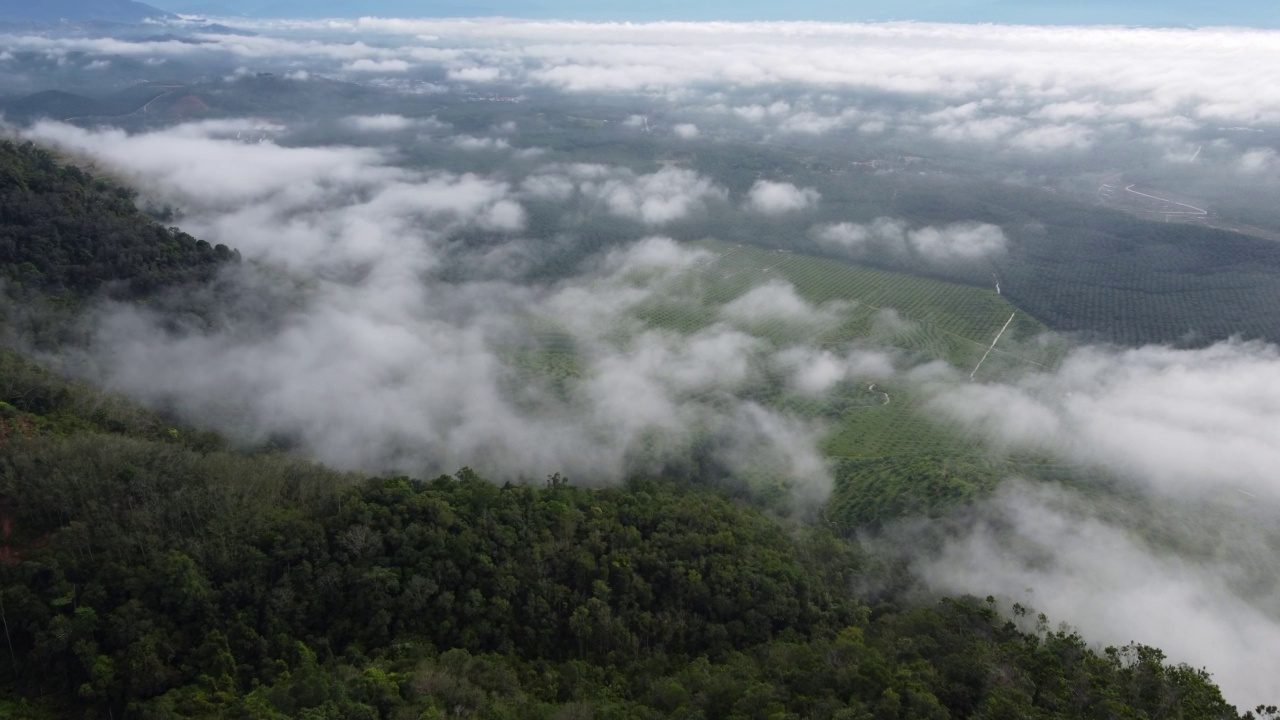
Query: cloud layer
point(893, 238)
point(376, 363)
point(1186, 422)
point(1038, 547)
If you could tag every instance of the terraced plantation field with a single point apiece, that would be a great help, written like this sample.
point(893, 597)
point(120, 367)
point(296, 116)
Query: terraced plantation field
point(923, 318)
point(872, 420)
point(928, 318)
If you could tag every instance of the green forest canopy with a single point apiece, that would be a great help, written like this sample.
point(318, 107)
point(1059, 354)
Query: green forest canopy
point(148, 571)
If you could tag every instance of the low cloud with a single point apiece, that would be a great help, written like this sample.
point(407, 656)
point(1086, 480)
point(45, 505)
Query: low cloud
point(1042, 548)
point(1188, 423)
point(815, 371)
point(366, 360)
point(1257, 161)
point(475, 74)
point(655, 253)
point(776, 301)
point(655, 199)
point(685, 131)
point(896, 239)
point(365, 65)
point(776, 198)
point(472, 143)
point(1041, 75)
point(391, 123)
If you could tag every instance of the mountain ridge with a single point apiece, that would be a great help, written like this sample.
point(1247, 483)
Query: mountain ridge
point(122, 11)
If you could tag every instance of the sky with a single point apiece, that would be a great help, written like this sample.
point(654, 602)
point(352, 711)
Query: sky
point(1252, 13)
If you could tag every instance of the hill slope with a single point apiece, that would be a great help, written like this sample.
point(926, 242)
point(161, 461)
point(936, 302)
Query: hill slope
point(64, 232)
point(122, 11)
point(146, 571)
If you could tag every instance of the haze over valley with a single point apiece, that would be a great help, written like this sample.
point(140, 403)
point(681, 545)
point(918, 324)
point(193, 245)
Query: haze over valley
point(827, 321)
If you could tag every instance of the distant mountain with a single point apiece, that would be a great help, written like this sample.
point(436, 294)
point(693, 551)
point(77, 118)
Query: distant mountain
point(354, 8)
point(121, 11)
point(199, 7)
point(61, 105)
point(50, 103)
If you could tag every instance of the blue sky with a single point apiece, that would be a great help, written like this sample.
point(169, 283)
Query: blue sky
point(1257, 13)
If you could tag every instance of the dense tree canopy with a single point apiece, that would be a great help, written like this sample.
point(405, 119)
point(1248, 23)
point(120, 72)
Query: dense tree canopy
point(146, 571)
point(64, 232)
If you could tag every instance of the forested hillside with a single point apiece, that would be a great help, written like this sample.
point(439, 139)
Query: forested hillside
point(149, 571)
point(66, 234)
point(159, 577)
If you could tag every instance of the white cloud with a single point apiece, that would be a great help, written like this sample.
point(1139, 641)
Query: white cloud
point(1259, 160)
point(1039, 551)
point(685, 131)
point(377, 365)
point(656, 198)
point(815, 371)
point(655, 253)
point(470, 142)
point(1041, 87)
point(1186, 422)
point(958, 241)
point(950, 243)
point(758, 113)
point(475, 74)
point(777, 301)
point(365, 65)
point(380, 123)
point(549, 187)
point(774, 198)
point(1053, 138)
point(811, 123)
point(851, 238)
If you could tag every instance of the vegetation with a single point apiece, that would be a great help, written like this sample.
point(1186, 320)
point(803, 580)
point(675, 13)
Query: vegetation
point(923, 318)
point(148, 578)
point(148, 571)
point(940, 320)
point(66, 234)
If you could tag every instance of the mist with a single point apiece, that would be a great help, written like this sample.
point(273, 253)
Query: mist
point(381, 366)
point(1047, 548)
point(490, 243)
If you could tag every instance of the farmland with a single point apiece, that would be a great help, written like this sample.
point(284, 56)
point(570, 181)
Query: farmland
point(1105, 275)
point(921, 320)
point(928, 319)
point(888, 456)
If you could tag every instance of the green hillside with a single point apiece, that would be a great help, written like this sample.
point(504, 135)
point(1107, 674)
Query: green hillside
point(149, 571)
point(922, 318)
point(148, 575)
point(67, 234)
